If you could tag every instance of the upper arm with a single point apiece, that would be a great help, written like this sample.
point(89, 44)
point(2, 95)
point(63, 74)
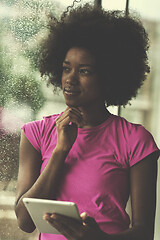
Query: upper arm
point(143, 178)
point(29, 166)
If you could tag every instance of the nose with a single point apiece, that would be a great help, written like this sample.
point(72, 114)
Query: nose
point(72, 78)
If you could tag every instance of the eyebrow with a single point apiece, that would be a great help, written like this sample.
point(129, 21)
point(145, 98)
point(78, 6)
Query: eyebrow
point(81, 65)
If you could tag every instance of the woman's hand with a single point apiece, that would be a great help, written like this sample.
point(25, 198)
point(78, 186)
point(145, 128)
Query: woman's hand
point(73, 229)
point(67, 127)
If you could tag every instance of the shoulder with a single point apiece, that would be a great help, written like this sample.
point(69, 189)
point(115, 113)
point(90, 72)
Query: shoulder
point(137, 141)
point(130, 129)
point(40, 125)
point(133, 133)
point(37, 131)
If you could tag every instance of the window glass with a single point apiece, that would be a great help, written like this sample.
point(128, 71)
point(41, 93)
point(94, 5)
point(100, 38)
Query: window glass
point(149, 97)
point(145, 109)
point(23, 96)
point(114, 5)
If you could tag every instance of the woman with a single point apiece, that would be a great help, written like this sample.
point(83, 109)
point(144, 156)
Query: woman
point(85, 154)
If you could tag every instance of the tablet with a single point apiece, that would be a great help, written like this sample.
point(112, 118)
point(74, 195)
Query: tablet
point(38, 207)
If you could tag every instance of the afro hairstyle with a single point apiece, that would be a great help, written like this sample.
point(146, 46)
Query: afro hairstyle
point(118, 42)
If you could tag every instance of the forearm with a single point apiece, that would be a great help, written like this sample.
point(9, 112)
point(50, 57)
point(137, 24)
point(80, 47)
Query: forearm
point(45, 187)
point(134, 233)
point(48, 182)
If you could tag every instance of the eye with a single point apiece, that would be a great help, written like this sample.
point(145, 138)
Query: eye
point(66, 69)
point(85, 71)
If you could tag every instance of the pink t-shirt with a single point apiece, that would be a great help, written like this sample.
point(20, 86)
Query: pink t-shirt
point(96, 170)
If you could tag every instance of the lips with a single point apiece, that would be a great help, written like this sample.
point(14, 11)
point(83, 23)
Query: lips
point(71, 91)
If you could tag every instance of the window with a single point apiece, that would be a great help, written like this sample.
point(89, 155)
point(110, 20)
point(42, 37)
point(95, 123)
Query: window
point(24, 97)
point(145, 109)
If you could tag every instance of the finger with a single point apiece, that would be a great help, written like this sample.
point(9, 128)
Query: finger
point(74, 109)
point(68, 122)
point(61, 116)
point(69, 117)
point(83, 215)
point(62, 228)
point(69, 111)
point(89, 221)
point(69, 227)
point(72, 223)
point(77, 111)
point(81, 115)
point(47, 216)
point(72, 112)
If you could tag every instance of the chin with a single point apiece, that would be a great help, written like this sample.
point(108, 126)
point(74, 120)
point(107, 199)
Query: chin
point(72, 104)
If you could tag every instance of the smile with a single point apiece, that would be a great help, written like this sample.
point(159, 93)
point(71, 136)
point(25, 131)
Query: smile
point(70, 92)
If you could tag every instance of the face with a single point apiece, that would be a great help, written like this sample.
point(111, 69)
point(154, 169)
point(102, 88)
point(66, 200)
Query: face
point(80, 83)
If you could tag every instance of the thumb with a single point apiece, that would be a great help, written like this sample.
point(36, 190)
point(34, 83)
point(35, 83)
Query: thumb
point(84, 215)
point(88, 220)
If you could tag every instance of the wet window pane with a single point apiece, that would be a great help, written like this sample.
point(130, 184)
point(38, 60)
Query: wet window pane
point(24, 97)
point(145, 109)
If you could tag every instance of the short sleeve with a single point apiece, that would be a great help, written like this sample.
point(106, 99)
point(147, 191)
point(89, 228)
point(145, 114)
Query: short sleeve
point(32, 131)
point(141, 144)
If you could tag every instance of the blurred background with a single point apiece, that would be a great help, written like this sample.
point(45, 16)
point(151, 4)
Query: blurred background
point(24, 96)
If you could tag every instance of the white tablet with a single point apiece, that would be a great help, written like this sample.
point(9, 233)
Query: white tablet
point(38, 207)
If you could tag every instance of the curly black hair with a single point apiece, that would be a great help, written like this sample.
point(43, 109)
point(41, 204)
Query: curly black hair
point(118, 42)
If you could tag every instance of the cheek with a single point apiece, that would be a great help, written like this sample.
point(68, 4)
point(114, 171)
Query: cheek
point(93, 86)
point(92, 92)
point(62, 80)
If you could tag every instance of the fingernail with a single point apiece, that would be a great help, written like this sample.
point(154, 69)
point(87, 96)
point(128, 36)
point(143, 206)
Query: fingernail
point(46, 216)
point(53, 216)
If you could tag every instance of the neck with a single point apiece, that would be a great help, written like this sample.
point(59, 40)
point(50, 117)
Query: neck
point(94, 116)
